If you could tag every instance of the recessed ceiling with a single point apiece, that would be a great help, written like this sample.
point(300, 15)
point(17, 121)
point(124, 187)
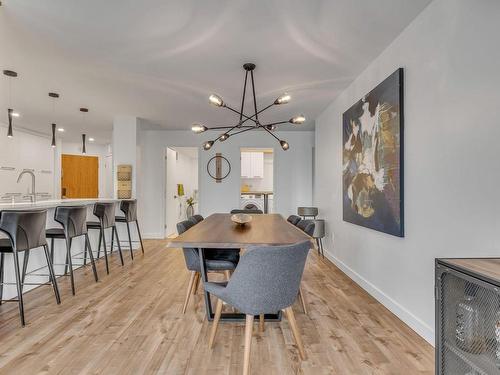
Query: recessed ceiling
point(159, 60)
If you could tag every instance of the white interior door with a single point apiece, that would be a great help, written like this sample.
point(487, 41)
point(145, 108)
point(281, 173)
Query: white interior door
point(171, 193)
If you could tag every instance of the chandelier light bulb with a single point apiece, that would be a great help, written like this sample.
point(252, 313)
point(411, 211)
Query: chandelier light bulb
point(198, 128)
point(284, 145)
point(15, 114)
point(271, 127)
point(283, 99)
point(208, 145)
point(215, 100)
point(223, 137)
point(298, 119)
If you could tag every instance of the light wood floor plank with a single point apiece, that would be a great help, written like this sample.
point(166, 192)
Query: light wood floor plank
point(130, 322)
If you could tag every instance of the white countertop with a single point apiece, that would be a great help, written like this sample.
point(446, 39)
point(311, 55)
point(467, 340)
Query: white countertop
point(52, 203)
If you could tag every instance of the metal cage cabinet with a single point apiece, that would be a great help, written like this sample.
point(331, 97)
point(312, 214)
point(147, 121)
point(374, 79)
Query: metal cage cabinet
point(467, 316)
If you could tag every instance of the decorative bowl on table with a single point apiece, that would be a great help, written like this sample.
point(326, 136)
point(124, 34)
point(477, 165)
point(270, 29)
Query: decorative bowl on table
point(241, 219)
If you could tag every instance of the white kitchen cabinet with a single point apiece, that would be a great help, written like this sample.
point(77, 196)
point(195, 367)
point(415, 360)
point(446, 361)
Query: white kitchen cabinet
point(257, 164)
point(252, 164)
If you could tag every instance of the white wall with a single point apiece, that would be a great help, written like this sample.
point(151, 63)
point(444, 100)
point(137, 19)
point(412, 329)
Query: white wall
point(125, 149)
point(293, 173)
point(93, 149)
point(451, 61)
point(25, 151)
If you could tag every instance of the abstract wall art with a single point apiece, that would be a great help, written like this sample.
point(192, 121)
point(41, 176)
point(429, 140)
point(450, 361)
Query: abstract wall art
point(373, 158)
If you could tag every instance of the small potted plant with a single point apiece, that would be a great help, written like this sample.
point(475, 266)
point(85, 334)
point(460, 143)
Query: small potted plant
point(190, 206)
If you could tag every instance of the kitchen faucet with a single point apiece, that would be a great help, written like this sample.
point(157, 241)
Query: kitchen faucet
point(33, 189)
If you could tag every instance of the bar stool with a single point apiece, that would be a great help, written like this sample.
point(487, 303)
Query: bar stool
point(319, 234)
point(73, 220)
point(129, 208)
point(25, 231)
point(105, 212)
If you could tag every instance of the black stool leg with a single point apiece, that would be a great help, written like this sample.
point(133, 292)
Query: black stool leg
point(322, 250)
point(112, 240)
point(67, 256)
point(52, 275)
point(69, 263)
point(51, 253)
point(105, 251)
point(318, 246)
point(130, 241)
point(91, 255)
point(85, 254)
point(19, 287)
point(1, 277)
point(139, 233)
point(25, 267)
point(118, 243)
point(99, 247)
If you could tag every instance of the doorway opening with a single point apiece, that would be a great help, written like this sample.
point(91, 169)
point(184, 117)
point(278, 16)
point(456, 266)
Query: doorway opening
point(181, 200)
point(257, 179)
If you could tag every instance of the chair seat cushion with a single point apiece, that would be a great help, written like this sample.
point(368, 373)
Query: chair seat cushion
point(5, 246)
point(93, 225)
point(55, 233)
point(220, 265)
point(121, 219)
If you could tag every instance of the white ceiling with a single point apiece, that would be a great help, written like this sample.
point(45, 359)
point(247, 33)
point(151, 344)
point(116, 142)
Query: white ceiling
point(159, 59)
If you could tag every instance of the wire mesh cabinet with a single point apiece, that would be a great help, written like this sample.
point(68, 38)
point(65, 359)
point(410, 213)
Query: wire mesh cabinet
point(467, 318)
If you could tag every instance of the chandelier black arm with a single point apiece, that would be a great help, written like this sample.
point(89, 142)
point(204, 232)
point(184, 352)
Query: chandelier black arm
point(228, 127)
point(243, 97)
point(240, 113)
point(254, 98)
point(267, 130)
point(275, 123)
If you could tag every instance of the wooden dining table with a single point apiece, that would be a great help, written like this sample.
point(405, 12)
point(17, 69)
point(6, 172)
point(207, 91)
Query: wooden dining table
point(218, 231)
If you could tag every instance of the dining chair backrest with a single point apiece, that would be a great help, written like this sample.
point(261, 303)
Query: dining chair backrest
point(129, 208)
point(293, 219)
point(190, 254)
point(73, 220)
point(307, 211)
point(244, 211)
point(307, 226)
point(26, 229)
point(267, 278)
point(105, 211)
point(195, 219)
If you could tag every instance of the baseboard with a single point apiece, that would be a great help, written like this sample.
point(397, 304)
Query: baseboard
point(416, 324)
point(153, 236)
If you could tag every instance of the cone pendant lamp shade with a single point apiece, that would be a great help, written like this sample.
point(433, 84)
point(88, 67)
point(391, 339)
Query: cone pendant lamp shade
point(9, 132)
point(84, 149)
point(53, 135)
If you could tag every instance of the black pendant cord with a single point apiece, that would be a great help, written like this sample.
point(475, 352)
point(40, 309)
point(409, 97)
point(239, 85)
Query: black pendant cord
point(254, 99)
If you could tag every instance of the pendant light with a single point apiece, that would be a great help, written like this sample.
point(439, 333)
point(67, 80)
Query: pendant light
point(84, 111)
point(54, 96)
point(10, 111)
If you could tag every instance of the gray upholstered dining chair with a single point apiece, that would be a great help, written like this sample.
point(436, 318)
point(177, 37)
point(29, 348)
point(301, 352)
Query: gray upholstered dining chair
point(307, 226)
point(213, 263)
point(266, 280)
point(293, 219)
point(195, 219)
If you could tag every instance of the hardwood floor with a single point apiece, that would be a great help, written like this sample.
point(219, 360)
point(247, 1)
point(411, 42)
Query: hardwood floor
point(131, 323)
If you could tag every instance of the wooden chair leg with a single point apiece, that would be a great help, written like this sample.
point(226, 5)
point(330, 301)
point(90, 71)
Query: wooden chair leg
point(248, 343)
point(215, 323)
point(228, 274)
point(189, 290)
point(262, 327)
point(295, 330)
point(196, 283)
point(302, 300)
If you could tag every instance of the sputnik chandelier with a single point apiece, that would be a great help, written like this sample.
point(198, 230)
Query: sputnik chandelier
point(252, 121)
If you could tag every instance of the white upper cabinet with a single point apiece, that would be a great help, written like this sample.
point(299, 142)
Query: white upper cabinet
point(252, 164)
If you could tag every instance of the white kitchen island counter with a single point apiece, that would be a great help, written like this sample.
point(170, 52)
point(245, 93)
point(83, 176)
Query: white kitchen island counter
point(37, 257)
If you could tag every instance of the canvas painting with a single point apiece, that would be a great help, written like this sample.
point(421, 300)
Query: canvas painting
point(373, 158)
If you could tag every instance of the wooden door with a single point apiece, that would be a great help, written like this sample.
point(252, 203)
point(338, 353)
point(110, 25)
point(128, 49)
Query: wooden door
point(79, 176)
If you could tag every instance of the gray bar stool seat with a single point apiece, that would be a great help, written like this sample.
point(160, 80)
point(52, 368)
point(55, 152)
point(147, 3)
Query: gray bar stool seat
point(105, 212)
point(266, 280)
point(129, 209)
point(26, 232)
point(73, 222)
